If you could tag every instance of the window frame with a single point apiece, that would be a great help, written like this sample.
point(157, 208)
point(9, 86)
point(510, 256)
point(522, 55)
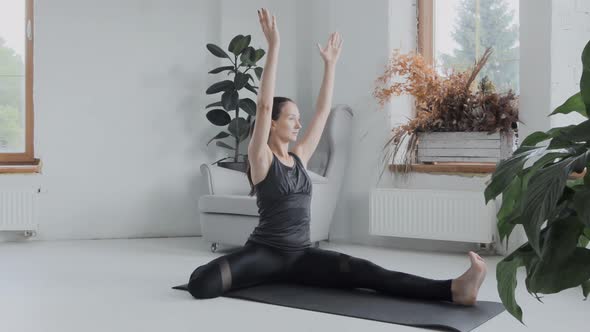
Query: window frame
point(426, 30)
point(27, 157)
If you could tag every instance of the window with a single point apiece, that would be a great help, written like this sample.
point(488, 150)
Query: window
point(16, 82)
point(454, 33)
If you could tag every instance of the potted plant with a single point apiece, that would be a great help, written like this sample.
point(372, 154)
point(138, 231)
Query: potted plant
point(449, 106)
point(237, 127)
point(556, 256)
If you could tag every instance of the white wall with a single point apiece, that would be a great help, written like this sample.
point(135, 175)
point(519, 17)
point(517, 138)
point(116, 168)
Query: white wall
point(120, 122)
point(569, 35)
point(535, 64)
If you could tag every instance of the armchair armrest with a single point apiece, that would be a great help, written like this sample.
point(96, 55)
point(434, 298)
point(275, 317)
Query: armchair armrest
point(223, 181)
point(316, 178)
point(229, 204)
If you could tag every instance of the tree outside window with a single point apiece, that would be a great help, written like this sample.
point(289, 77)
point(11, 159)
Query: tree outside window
point(463, 29)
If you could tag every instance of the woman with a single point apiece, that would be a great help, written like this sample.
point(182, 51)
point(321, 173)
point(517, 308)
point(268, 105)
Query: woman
point(279, 249)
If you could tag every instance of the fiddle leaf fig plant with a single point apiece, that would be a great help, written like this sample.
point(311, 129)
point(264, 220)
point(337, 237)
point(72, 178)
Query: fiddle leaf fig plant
point(552, 206)
point(243, 59)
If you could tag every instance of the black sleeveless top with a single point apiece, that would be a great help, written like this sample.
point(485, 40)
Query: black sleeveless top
point(284, 199)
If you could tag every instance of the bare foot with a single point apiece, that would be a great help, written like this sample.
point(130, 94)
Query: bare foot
point(466, 287)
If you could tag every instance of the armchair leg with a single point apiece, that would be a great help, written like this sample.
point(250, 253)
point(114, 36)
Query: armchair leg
point(214, 246)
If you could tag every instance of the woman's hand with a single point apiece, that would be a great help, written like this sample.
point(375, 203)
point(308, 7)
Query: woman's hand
point(268, 23)
point(331, 52)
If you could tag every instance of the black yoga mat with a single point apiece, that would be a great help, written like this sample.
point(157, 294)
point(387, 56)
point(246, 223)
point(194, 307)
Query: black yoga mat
point(368, 304)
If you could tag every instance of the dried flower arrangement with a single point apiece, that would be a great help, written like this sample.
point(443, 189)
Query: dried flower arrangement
point(443, 103)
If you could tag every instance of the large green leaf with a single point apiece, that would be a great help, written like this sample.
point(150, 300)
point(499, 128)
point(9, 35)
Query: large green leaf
point(220, 69)
point(222, 134)
point(562, 211)
point(582, 205)
point(506, 171)
point(217, 51)
point(220, 86)
point(586, 57)
point(234, 42)
point(506, 278)
point(240, 80)
point(585, 79)
point(560, 142)
point(258, 72)
point(258, 54)
point(230, 99)
point(248, 105)
point(506, 271)
point(554, 132)
point(542, 193)
point(508, 211)
point(579, 132)
point(559, 136)
point(550, 156)
point(243, 44)
point(561, 240)
point(239, 43)
point(239, 127)
point(248, 57)
point(584, 238)
point(573, 104)
point(561, 268)
point(535, 138)
point(218, 117)
point(581, 161)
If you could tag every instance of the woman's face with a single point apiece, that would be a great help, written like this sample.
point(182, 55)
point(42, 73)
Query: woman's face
point(287, 126)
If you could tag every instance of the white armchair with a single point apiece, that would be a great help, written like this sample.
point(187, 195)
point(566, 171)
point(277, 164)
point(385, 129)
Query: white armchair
point(228, 215)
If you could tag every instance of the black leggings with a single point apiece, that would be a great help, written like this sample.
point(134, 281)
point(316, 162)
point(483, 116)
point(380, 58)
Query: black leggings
point(256, 263)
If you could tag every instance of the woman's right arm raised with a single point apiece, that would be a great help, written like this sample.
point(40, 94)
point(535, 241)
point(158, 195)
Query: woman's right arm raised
point(258, 147)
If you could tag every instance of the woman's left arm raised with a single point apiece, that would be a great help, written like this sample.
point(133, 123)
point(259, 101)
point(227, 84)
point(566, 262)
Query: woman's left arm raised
point(306, 147)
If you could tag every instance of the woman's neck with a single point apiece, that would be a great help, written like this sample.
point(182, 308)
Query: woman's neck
point(280, 149)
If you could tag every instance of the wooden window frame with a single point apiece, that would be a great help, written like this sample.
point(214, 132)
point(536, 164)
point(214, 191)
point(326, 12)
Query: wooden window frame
point(426, 29)
point(27, 157)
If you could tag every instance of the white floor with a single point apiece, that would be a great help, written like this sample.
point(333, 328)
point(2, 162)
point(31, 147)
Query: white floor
point(124, 285)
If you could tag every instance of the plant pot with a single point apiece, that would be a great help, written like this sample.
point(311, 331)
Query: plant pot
point(236, 166)
point(465, 146)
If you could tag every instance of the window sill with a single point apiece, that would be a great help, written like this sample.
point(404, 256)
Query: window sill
point(450, 168)
point(19, 168)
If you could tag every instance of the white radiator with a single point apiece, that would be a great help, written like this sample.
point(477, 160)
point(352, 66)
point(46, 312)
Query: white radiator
point(432, 214)
point(18, 210)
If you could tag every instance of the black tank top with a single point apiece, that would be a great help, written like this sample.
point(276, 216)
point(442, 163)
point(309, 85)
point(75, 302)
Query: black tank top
point(284, 199)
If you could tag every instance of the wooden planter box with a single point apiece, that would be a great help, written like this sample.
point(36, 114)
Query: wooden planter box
point(465, 146)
